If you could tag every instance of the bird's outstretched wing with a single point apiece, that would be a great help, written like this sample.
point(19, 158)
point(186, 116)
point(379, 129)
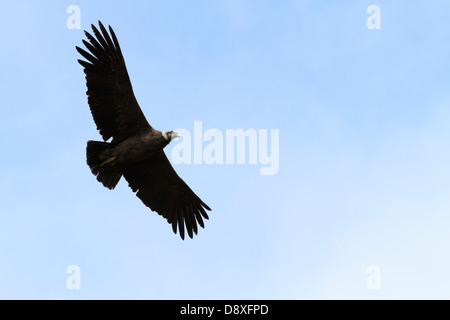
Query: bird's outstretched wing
point(110, 95)
point(162, 190)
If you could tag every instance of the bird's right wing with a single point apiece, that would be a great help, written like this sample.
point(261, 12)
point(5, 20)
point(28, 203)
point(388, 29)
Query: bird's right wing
point(162, 190)
point(110, 95)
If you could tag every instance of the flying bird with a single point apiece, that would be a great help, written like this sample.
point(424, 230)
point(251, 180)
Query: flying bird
point(136, 148)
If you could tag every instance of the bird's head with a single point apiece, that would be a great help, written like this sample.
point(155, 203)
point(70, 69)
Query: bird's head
point(170, 135)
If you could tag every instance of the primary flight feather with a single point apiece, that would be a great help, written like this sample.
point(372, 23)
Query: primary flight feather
point(136, 149)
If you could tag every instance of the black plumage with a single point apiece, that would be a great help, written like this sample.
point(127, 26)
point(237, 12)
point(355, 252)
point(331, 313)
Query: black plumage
point(136, 149)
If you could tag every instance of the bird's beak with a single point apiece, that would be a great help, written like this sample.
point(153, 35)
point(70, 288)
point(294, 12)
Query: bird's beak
point(174, 135)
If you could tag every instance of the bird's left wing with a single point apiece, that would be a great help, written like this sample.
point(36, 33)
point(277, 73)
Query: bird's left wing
point(162, 190)
point(110, 95)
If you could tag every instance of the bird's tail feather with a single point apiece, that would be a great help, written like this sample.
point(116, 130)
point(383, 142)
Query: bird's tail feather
point(98, 157)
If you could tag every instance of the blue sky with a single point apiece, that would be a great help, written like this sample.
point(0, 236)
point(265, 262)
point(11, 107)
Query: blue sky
point(364, 151)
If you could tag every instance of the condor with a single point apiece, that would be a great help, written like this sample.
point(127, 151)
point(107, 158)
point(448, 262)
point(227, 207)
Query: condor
point(136, 149)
